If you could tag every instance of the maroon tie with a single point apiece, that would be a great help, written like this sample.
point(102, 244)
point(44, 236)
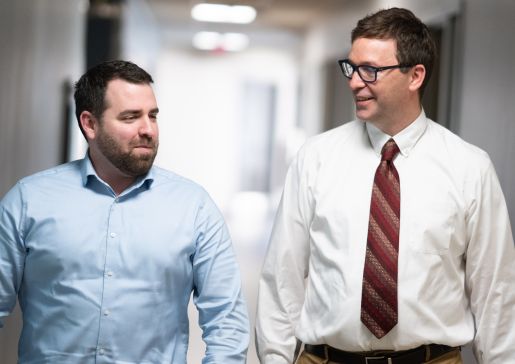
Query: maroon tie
point(379, 294)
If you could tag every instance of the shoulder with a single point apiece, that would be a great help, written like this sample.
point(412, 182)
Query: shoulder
point(69, 169)
point(458, 150)
point(464, 161)
point(344, 137)
point(180, 192)
point(46, 182)
point(338, 135)
point(170, 181)
point(67, 174)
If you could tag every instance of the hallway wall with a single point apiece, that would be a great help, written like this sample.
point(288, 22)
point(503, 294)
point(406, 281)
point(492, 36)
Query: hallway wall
point(487, 108)
point(41, 46)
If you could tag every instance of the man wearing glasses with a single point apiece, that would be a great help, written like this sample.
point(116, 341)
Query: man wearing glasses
point(392, 242)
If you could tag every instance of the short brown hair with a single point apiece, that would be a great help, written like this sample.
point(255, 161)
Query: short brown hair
point(413, 38)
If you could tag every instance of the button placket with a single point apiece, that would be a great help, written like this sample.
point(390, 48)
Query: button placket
point(112, 244)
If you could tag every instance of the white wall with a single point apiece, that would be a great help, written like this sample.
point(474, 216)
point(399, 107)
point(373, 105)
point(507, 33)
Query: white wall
point(200, 99)
point(140, 36)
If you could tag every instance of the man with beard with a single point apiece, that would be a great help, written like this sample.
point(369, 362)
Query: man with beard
point(105, 252)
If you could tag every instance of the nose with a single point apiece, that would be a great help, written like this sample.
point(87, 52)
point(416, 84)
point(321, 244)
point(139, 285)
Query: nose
point(355, 82)
point(148, 128)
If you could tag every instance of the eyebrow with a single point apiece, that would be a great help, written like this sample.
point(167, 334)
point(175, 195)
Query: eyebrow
point(136, 112)
point(129, 113)
point(366, 63)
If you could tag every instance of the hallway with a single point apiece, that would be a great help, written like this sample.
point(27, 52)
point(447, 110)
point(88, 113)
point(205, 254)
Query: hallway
point(233, 120)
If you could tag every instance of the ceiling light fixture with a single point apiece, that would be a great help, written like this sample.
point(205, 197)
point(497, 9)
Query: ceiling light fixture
point(213, 41)
point(220, 13)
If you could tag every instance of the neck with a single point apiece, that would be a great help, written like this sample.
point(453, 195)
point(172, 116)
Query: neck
point(399, 121)
point(111, 175)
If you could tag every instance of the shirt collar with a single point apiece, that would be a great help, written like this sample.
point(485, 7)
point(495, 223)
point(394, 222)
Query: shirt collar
point(406, 139)
point(88, 172)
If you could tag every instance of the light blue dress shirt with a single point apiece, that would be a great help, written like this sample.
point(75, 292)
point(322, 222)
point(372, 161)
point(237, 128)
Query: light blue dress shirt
point(107, 279)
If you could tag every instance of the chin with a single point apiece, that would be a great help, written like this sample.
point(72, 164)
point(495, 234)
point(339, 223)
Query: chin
point(364, 116)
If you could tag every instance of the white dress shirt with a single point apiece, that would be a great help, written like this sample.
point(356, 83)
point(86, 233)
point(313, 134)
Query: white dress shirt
point(456, 257)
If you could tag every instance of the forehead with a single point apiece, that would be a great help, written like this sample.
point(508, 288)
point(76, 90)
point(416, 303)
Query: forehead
point(121, 94)
point(373, 51)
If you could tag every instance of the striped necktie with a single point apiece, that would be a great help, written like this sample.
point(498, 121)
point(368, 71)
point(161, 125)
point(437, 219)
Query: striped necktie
point(379, 292)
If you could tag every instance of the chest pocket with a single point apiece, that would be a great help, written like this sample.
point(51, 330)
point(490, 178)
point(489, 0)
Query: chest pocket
point(431, 230)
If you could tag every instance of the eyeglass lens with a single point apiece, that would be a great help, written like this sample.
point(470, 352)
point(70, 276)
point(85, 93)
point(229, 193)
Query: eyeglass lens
point(367, 73)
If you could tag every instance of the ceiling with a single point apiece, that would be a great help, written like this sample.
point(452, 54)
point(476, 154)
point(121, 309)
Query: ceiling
point(286, 15)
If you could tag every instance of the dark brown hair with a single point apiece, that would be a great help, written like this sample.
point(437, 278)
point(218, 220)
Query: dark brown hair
point(414, 42)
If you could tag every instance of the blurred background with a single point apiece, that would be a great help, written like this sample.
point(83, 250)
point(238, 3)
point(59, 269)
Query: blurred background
point(238, 94)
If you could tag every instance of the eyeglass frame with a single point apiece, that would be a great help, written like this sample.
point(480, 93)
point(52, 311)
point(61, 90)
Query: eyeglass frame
point(375, 69)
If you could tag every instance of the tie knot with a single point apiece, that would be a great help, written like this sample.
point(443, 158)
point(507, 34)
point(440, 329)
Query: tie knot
point(390, 150)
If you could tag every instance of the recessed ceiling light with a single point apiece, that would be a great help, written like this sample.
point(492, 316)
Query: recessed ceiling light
point(235, 42)
point(210, 41)
point(241, 14)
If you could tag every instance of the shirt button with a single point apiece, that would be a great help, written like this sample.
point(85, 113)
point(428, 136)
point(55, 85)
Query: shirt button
point(113, 235)
point(109, 273)
point(101, 351)
point(106, 312)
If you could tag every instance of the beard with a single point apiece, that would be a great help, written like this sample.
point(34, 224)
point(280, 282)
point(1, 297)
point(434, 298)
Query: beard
point(128, 162)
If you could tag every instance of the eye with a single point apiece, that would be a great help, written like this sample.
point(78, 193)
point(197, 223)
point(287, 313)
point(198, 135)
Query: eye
point(368, 71)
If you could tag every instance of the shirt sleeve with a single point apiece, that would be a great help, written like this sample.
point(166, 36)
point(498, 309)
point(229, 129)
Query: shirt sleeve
point(490, 272)
point(12, 251)
point(217, 294)
point(282, 282)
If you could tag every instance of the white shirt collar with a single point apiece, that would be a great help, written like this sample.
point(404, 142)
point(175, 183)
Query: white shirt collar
point(406, 139)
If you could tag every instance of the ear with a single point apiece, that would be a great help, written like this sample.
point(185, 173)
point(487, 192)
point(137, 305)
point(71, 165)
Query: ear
point(89, 124)
point(418, 75)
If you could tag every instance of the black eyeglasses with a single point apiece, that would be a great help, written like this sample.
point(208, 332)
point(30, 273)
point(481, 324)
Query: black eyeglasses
point(366, 73)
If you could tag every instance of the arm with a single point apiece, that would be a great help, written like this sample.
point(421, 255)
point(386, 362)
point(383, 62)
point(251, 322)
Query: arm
point(217, 291)
point(281, 287)
point(490, 272)
point(12, 252)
